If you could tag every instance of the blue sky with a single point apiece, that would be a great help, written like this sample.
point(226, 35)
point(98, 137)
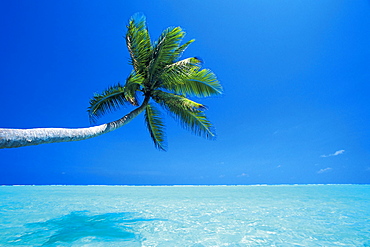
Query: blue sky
point(295, 107)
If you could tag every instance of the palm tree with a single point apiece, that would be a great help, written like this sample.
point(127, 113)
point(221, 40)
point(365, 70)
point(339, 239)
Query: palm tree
point(158, 77)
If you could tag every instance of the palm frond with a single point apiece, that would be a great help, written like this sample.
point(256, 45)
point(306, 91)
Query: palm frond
point(176, 72)
point(132, 86)
point(163, 51)
point(138, 43)
point(179, 51)
point(183, 66)
point(193, 81)
point(109, 100)
point(155, 126)
point(189, 113)
point(171, 98)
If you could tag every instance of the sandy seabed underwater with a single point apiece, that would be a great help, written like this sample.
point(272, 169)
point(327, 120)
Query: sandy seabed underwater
point(194, 216)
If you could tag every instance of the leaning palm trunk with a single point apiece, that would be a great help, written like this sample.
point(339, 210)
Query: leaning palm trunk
point(13, 138)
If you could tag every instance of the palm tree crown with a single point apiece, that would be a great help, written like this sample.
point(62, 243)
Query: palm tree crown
point(160, 75)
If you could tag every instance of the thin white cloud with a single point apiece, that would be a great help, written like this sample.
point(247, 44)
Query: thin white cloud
point(328, 169)
point(338, 152)
point(243, 175)
point(334, 154)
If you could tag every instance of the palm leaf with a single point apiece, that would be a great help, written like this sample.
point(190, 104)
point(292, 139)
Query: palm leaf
point(138, 43)
point(170, 98)
point(179, 51)
point(177, 72)
point(193, 82)
point(163, 51)
point(132, 86)
point(183, 66)
point(189, 113)
point(111, 99)
point(155, 126)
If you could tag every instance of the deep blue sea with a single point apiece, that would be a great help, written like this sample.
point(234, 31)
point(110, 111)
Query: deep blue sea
point(194, 216)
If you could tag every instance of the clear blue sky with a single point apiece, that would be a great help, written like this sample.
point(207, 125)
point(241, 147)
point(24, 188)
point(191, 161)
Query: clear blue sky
point(296, 107)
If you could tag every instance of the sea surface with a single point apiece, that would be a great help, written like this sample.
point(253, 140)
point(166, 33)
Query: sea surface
point(194, 216)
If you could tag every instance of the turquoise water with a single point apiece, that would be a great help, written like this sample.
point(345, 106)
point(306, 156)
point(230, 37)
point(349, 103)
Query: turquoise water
point(194, 216)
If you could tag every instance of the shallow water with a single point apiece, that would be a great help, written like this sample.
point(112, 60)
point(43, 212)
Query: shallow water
point(194, 216)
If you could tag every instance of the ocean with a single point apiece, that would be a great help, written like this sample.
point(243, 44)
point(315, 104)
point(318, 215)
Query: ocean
point(185, 216)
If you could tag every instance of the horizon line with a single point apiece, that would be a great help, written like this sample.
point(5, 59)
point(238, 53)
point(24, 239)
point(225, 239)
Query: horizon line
point(180, 185)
